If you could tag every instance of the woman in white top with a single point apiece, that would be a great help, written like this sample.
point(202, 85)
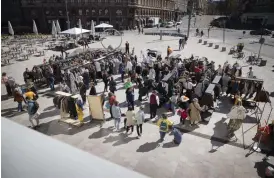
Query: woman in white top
point(140, 118)
point(130, 117)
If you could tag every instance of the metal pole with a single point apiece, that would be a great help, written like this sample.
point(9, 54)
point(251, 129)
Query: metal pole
point(259, 53)
point(68, 22)
point(224, 32)
point(189, 18)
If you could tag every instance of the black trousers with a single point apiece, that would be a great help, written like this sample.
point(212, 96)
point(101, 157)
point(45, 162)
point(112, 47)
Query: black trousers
point(153, 110)
point(127, 50)
point(132, 128)
point(182, 120)
point(139, 129)
point(110, 110)
point(130, 104)
point(106, 86)
point(122, 76)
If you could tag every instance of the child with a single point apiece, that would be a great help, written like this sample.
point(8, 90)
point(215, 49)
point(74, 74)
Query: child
point(183, 115)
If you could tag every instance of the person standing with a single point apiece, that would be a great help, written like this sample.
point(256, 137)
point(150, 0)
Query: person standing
point(130, 97)
point(130, 117)
point(173, 102)
point(92, 89)
point(189, 88)
point(169, 51)
point(177, 136)
point(180, 43)
point(32, 111)
point(30, 94)
point(140, 118)
point(164, 125)
point(83, 92)
point(6, 83)
point(151, 74)
point(142, 30)
point(79, 110)
point(112, 85)
point(18, 97)
point(154, 103)
point(127, 47)
point(112, 100)
point(183, 115)
point(116, 112)
point(86, 78)
point(51, 82)
point(122, 69)
point(250, 73)
point(195, 110)
point(105, 80)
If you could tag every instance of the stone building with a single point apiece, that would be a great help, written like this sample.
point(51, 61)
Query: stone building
point(119, 13)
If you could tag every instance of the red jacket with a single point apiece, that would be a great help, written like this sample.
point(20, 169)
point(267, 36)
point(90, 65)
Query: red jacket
point(152, 99)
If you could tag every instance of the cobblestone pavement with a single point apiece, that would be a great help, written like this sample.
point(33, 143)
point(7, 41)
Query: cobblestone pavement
point(199, 155)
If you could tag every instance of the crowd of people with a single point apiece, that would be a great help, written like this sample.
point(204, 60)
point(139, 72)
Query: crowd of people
point(173, 83)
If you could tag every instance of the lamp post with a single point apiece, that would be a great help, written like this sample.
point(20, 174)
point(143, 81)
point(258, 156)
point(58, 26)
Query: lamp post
point(68, 22)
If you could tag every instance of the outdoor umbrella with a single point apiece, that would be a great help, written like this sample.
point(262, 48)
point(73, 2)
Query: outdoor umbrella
point(58, 28)
point(92, 29)
point(104, 25)
point(10, 29)
point(34, 28)
point(53, 29)
point(75, 31)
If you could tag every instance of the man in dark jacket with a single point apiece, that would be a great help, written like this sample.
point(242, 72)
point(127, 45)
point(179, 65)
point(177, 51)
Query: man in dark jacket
point(130, 97)
point(86, 78)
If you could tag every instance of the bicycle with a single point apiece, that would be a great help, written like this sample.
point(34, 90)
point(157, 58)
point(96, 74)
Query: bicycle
point(238, 55)
point(253, 59)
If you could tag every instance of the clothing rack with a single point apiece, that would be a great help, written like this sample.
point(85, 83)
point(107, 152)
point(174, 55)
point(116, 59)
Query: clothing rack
point(250, 79)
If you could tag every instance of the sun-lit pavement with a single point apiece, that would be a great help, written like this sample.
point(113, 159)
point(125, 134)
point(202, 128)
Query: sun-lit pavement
point(197, 156)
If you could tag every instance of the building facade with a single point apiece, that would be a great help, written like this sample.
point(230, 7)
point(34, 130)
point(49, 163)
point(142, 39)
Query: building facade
point(119, 13)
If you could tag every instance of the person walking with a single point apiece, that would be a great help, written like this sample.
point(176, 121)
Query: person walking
point(32, 111)
point(6, 83)
point(164, 125)
point(195, 110)
point(130, 117)
point(18, 97)
point(51, 82)
point(112, 85)
point(105, 80)
point(127, 47)
point(169, 51)
point(30, 94)
point(183, 115)
point(122, 70)
point(142, 30)
point(116, 112)
point(154, 103)
point(140, 118)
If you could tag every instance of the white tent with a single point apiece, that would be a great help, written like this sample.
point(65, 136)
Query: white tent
point(53, 29)
point(34, 28)
point(92, 29)
point(10, 29)
point(75, 31)
point(58, 28)
point(104, 25)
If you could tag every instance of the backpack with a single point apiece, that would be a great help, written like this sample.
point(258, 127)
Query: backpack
point(163, 126)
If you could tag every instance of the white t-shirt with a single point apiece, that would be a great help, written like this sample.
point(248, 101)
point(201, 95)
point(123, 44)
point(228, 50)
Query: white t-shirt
point(129, 66)
point(98, 66)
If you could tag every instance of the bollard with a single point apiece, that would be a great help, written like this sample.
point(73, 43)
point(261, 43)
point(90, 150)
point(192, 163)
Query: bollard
point(205, 42)
point(223, 49)
point(210, 45)
point(216, 46)
point(200, 41)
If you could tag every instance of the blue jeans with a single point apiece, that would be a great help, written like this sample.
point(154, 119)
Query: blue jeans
point(162, 135)
point(51, 85)
point(117, 123)
point(172, 106)
point(20, 106)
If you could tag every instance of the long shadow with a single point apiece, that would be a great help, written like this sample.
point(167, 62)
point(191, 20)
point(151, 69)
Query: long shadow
point(224, 106)
point(49, 114)
point(148, 146)
point(11, 112)
point(5, 97)
point(102, 132)
point(249, 119)
point(123, 139)
point(56, 128)
point(219, 129)
point(49, 108)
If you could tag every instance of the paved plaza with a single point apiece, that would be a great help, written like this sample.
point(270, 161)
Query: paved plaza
point(204, 151)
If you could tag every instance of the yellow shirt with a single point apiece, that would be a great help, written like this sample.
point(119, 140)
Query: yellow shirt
point(164, 124)
point(30, 95)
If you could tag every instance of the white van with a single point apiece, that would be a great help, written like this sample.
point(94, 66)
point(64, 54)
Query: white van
point(169, 25)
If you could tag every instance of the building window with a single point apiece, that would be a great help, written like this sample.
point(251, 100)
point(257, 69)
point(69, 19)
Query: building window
point(60, 13)
point(80, 11)
point(119, 12)
point(87, 12)
point(106, 12)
